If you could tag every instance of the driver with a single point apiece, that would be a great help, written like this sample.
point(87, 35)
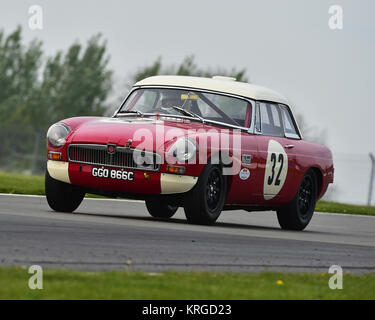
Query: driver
point(169, 100)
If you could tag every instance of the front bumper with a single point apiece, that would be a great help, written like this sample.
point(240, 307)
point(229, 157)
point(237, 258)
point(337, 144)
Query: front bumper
point(144, 182)
point(58, 170)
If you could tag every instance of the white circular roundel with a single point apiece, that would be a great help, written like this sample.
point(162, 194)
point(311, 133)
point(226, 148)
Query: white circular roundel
point(276, 169)
point(244, 174)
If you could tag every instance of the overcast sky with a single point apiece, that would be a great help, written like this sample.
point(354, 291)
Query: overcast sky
point(285, 45)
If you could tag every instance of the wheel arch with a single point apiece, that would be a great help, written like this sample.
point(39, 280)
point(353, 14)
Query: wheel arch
point(222, 154)
point(319, 179)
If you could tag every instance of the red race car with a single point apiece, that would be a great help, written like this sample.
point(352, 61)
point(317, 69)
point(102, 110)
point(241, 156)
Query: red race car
point(203, 144)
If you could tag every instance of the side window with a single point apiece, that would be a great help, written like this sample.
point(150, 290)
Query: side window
point(289, 126)
point(271, 121)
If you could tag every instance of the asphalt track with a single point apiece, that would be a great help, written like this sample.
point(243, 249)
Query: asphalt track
point(118, 234)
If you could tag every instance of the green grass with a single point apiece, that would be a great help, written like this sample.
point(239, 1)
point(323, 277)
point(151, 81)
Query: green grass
point(66, 284)
point(328, 206)
point(21, 183)
point(34, 184)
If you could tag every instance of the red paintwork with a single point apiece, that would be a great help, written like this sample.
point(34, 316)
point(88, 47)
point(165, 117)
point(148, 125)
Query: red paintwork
point(100, 130)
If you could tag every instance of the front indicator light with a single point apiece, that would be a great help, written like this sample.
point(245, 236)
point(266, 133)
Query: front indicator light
point(176, 169)
point(54, 155)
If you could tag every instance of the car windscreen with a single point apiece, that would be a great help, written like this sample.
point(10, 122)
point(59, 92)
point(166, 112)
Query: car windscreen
point(210, 106)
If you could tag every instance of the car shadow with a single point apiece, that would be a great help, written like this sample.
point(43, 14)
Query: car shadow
point(227, 225)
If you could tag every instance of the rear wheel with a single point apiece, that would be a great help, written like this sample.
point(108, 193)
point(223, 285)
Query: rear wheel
point(159, 209)
point(61, 196)
point(298, 213)
point(204, 203)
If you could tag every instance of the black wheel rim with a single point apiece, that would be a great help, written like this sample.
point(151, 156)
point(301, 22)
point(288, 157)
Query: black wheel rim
point(213, 189)
point(305, 196)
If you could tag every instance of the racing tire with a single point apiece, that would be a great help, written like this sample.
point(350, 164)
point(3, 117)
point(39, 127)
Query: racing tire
point(204, 203)
point(159, 209)
point(61, 196)
point(297, 214)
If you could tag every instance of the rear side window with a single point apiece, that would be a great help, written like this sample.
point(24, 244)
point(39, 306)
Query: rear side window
point(270, 119)
point(289, 126)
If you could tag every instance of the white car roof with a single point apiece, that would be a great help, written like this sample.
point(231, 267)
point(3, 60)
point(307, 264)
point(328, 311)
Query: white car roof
point(220, 84)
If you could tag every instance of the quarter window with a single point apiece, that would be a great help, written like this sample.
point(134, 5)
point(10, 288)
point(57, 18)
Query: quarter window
point(289, 127)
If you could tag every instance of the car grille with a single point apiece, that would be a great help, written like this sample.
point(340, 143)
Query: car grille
point(97, 154)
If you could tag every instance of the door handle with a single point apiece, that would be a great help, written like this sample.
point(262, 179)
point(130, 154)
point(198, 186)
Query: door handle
point(289, 146)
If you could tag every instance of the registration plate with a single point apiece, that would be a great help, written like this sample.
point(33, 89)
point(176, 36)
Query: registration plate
point(112, 174)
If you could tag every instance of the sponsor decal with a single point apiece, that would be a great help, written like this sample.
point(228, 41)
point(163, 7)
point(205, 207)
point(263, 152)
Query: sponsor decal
point(246, 159)
point(244, 174)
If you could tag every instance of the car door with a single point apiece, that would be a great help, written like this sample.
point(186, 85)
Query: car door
point(276, 160)
point(242, 188)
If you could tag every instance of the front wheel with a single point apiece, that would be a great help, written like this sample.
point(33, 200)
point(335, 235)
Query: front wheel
point(159, 209)
point(204, 203)
point(61, 196)
point(298, 213)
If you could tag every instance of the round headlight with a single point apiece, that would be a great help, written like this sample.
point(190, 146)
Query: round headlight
point(183, 149)
point(142, 159)
point(57, 133)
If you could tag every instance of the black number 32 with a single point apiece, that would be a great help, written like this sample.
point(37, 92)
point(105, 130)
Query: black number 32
point(273, 160)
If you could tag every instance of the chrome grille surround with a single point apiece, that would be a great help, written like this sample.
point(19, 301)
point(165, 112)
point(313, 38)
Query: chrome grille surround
point(98, 155)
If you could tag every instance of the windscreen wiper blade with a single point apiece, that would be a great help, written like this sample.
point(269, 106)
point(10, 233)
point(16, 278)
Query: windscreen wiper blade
point(188, 113)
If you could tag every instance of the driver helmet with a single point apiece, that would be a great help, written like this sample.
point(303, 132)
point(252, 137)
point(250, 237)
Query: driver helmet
point(170, 99)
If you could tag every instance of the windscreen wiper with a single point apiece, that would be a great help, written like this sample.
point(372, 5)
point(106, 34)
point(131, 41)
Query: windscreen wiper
point(188, 113)
point(130, 112)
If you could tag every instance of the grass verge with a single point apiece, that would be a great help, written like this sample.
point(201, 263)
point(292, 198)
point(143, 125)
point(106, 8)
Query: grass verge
point(34, 184)
point(66, 284)
point(21, 183)
point(328, 206)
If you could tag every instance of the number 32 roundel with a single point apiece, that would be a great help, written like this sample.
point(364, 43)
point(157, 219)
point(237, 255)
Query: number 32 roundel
point(276, 169)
